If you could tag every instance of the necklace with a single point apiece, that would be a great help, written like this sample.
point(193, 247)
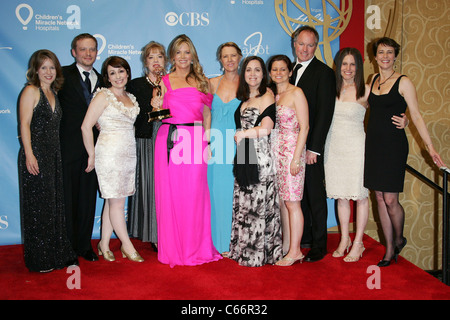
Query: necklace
point(379, 84)
point(345, 87)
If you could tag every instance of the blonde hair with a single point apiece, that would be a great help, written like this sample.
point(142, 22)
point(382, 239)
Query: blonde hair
point(153, 45)
point(196, 71)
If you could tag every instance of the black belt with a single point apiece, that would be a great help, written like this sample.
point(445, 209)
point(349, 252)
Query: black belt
point(172, 130)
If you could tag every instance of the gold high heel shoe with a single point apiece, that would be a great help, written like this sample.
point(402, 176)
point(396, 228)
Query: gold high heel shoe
point(286, 261)
point(108, 255)
point(135, 256)
point(350, 258)
point(337, 254)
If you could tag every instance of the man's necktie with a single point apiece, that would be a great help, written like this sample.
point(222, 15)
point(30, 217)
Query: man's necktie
point(87, 81)
point(294, 73)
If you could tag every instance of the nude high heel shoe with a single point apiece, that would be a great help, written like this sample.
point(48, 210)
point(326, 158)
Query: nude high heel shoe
point(286, 261)
point(337, 254)
point(350, 258)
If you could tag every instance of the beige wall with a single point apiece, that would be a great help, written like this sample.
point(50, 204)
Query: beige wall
point(422, 28)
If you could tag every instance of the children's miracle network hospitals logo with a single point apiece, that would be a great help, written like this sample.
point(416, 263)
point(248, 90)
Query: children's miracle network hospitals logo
point(48, 22)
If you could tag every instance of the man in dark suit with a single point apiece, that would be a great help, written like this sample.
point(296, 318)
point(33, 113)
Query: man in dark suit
point(80, 188)
point(317, 81)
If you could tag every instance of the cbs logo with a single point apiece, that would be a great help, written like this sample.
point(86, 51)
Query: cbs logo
point(187, 19)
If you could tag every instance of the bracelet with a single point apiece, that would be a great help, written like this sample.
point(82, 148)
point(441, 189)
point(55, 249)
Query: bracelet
point(297, 162)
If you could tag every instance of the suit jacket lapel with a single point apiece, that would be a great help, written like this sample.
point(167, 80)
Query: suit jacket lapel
point(307, 73)
point(98, 84)
point(75, 80)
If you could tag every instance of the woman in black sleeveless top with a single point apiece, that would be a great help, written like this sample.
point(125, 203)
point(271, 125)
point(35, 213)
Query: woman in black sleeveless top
point(386, 143)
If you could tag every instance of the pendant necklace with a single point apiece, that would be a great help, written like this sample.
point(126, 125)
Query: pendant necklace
point(379, 84)
point(345, 87)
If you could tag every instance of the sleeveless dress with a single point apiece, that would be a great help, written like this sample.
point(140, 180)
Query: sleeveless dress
point(45, 240)
point(183, 209)
point(220, 170)
point(285, 140)
point(141, 206)
point(256, 225)
point(386, 146)
point(344, 153)
point(115, 150)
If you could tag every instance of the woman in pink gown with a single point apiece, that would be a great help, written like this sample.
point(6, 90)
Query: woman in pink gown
point(183, 209)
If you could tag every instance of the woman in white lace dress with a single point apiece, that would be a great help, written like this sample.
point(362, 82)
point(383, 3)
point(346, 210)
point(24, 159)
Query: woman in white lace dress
point(344, 150)
point(114, 155)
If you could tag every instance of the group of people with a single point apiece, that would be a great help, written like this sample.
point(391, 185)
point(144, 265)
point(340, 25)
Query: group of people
point(297, 132)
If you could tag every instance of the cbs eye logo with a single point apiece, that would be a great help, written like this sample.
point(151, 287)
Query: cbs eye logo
point(187, 19)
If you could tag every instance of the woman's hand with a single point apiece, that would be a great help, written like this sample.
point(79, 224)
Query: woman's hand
point(295, 167)
point(400, 122)
point(156, 103)
point(239, 136)
point(435, 156)
point(32, 165)
point(91, 164)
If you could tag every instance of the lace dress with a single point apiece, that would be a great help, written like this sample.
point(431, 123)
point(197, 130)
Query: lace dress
point(115, 150)
point(344, 153)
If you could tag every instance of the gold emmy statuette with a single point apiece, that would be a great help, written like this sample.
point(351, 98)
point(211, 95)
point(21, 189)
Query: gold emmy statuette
point(159, 114)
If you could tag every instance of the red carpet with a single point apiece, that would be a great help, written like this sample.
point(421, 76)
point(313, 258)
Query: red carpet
point(328, 279)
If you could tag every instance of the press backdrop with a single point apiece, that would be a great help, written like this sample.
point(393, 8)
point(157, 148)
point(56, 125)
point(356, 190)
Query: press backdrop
point(259, 27)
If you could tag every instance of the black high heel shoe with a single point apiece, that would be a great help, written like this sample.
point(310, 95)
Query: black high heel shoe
point(387, 262)
point(400, 247)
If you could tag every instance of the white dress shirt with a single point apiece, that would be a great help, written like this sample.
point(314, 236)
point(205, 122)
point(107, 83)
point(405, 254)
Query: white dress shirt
point(92, 76)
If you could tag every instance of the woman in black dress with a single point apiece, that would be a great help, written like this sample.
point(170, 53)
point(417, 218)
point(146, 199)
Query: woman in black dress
point(387, 145)
point(46, 245)
point(141, 209)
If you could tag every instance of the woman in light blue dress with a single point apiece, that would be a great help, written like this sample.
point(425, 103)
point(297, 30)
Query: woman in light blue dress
point(220, 168)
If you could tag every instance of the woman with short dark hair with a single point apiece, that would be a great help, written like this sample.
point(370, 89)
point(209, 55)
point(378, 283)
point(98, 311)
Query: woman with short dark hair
point(387, 147)
point(114, 154)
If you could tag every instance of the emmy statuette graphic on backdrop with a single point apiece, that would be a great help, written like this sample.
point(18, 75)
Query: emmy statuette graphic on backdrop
point(331, 19)
point(159, 113)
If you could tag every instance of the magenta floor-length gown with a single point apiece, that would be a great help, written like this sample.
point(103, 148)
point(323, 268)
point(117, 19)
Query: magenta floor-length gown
point(183, 209)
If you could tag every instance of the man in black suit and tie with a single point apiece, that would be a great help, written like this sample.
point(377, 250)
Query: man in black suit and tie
point(317, 81)
point(80, 188)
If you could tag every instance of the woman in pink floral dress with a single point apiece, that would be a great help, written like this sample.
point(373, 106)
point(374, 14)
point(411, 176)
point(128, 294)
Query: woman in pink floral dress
point(290, 139)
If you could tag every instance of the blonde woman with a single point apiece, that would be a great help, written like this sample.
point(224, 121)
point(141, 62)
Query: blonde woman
point(183, 207)
point(220, 168)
